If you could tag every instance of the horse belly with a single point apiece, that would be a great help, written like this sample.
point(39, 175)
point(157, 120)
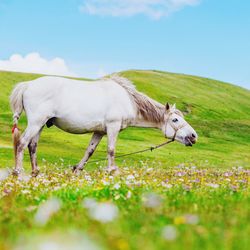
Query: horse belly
point(76, 126)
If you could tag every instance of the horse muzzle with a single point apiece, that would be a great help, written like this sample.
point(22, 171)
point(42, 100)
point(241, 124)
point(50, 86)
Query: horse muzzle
point(190, 140)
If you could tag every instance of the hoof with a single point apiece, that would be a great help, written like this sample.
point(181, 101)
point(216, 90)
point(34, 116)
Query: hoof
point(35, 172)
point(16, 172)
point(113, 170)
point(76, 169)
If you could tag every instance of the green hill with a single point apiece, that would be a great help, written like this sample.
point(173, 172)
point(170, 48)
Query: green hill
point(218, 111)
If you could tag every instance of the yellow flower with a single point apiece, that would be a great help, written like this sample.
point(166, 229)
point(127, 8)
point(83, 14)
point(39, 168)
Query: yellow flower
point(179, 220)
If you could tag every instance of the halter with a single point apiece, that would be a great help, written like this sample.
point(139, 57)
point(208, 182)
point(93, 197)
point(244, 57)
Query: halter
point(175, 129)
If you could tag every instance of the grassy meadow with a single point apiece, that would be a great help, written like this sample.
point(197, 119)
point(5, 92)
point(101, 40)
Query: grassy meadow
point(176, 197)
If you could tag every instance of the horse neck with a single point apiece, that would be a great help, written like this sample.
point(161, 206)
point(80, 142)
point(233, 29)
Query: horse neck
point(143, 121)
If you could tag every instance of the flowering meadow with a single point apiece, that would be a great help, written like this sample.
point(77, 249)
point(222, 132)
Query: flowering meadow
point(143, 207)
point(175, 197)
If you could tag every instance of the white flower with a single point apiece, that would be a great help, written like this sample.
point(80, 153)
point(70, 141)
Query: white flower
point(104, 212)
point(169, 233)
point(24, 177)
point(57, 240)
point(149, 170)
point(25, 191)
point(130, 177)
point(87, 177)
point(129, 194)
point(105, 183)
point(192, 219)
point(213, 185)
point(117, 186)
point(46, 210)
point(89, 203)
point(166, 185)
point(152, 200)
point(4, 173)
point(30, 208)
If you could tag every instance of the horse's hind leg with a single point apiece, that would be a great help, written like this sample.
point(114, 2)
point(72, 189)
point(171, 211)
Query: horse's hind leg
point(112, 133)
point(95, 140)
point(26, 137)
point(32, 151)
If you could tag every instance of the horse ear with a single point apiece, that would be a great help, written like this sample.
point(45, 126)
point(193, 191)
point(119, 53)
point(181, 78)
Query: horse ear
point(167, 106)
point(174, 107)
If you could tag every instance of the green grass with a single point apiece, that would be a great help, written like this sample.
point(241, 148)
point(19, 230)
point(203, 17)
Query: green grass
point(219, 112)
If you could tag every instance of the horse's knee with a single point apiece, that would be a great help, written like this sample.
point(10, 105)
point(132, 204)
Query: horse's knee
point(111, 152)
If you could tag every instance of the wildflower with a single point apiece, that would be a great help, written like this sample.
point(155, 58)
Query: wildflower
point(4, 173)
point(87, 177)
point(56, 240)
point(24, 177)
point(234, 188)
point(117, 186)
point(213, 185)
point(169, 233)
point(7, 191)
point(152, 200)
point(103, 212)
point(129, 194)
point(192, 219)
point(186, 187)
point(166, 185)
point(46, 210)
point(30, 208)
point(196, 180)
point(25, 191)
point(89, 203)
point(180, 174)
point(130, 177)
point(117, 197)
point(149, 170)
point(105, 183)
point(180, 220)
point(227, 174)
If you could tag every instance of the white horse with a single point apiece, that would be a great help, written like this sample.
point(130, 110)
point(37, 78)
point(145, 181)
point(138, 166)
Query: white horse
point(105, 106)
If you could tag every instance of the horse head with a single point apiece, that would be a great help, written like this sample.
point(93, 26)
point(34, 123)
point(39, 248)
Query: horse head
point(175, 126)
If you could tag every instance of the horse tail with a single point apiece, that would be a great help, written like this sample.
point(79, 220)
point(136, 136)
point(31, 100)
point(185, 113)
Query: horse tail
point(16, 103)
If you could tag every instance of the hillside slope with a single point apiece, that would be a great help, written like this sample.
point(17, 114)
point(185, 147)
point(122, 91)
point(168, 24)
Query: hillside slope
point(218, 111)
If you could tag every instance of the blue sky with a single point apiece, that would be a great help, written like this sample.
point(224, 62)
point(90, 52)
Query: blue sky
point(90, 38)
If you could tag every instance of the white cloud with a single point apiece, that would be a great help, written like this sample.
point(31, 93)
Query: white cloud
point(34, 63)
point(154, 9)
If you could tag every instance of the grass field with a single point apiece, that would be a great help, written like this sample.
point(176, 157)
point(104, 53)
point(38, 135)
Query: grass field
point(172, 198)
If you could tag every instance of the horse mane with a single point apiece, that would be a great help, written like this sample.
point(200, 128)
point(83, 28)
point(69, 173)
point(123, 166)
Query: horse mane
point(148, 108)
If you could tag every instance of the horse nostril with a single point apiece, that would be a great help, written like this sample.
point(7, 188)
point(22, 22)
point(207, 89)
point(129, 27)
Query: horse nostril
point(193, 135)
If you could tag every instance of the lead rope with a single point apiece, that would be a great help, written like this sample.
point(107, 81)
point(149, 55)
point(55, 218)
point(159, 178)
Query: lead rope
point(140, 151)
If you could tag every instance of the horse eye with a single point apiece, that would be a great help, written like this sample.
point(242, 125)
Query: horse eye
point(175, 120)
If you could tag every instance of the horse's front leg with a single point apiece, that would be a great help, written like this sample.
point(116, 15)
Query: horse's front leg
point(112, 133)
point(95, 140)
